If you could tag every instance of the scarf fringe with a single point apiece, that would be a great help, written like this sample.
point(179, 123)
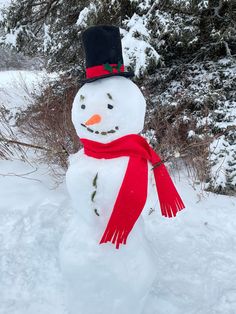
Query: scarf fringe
point(114, 236)
point(169, 199)
point(170, 211)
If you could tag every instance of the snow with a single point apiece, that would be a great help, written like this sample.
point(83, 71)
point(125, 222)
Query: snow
point(11, 38)
point(17, 87)
point(194, 253)
point(143, 5)
point(137, 50)
point(46, 38)
point(224, 61)
point(195, 256)
point(3, 4)
point(203, 4)
point(137, 24)
point(134, 56)
point(222, 166)
point(191, 133)
point(33, 216)
point(163, 20)
point(84, 14)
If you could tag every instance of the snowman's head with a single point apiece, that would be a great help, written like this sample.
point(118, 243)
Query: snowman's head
point(107, 109)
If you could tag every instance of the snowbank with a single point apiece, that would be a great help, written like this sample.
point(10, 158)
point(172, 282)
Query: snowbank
point(195, 256)
point(17, 87)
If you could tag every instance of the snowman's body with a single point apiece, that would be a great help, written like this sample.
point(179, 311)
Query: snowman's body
point(101, 279)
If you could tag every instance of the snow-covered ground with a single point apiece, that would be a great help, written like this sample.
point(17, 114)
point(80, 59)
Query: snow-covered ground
point(195, 252)
point(17, 87)
point(33, 216)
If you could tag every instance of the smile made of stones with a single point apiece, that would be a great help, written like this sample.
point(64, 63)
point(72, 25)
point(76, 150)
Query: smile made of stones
point(103, 132)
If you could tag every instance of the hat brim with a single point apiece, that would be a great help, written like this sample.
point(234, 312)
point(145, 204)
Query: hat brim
point(125, 74)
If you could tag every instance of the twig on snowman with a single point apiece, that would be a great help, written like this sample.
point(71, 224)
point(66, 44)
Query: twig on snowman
point(95, 192)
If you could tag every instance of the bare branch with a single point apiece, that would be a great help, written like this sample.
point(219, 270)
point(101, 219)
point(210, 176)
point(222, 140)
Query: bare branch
point(22, 175)
point(9, 141)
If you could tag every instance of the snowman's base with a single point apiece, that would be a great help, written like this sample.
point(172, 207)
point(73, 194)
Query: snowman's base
point(110, 301)
point(103, 280)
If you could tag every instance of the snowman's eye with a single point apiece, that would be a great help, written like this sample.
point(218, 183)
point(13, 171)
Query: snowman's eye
point(83, 106)
point(109, 106)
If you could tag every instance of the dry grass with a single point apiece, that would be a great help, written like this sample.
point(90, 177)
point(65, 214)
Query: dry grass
point(13, 150)
point(171, 127)
point(47, 123)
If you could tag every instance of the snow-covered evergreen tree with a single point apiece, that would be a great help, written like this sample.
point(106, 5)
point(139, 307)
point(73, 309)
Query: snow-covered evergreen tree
point(174, 29)
point(182, 52)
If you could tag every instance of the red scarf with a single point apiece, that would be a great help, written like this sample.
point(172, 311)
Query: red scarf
point(133, 192)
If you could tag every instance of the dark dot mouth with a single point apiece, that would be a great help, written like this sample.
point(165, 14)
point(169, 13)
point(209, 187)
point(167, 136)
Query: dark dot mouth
point(102, 132)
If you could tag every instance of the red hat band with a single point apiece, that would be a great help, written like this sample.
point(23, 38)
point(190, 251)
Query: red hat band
point(104, 69)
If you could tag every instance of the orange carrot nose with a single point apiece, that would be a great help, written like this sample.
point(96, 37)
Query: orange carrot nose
point(93, 120)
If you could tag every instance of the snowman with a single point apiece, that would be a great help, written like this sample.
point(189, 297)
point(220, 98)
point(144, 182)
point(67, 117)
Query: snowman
point(106, 258)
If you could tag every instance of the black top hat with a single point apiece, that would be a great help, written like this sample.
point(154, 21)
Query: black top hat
point(102, 45)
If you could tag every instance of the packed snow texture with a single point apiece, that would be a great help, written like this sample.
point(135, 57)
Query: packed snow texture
point(33, 217)
point(195, 257)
